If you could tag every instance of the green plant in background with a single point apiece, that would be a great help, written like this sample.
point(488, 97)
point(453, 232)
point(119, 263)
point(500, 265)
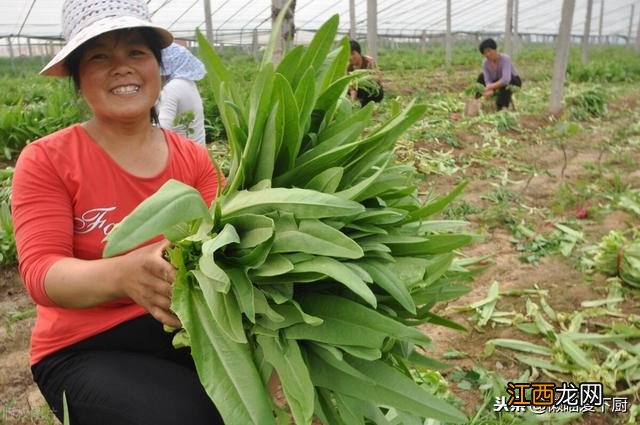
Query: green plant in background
point(184, 122)
point(474, 90)
point(317, 260)
point(366, 81)
point(533, 245)
point(612, 65)
point(591, 102)
point(8, 253)
point(32, 108)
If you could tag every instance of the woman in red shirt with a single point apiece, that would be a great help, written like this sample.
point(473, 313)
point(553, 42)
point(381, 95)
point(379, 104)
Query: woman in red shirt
point(99, 332)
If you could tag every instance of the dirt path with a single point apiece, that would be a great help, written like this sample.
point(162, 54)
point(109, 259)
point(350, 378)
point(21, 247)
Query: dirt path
point(565, 285)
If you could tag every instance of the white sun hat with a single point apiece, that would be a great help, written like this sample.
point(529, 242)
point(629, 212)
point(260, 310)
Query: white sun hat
point(83, 20)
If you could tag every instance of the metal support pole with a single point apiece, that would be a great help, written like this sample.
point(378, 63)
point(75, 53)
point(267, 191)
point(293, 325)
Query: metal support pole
point(633, 11)
point(508, 28)
point(562, 56)
point(207, 21)
point(601, 17)
point(254, 44)
point(587, 34)
point(372, 28)
point(352, 19)
point(447, 39)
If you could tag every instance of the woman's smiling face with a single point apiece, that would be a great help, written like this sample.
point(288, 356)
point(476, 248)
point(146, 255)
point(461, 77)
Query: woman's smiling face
point(119, 76)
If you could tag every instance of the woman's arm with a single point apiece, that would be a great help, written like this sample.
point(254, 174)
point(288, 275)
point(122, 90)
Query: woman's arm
point(43, 222)
point(142, 275)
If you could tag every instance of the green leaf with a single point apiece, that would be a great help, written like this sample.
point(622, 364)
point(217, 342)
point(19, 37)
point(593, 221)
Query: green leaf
point(315, 237)
point(333, 356)
point(291, 132)
point(577, 354)
point(330, 133)
point(358, 191)
point(341, 273)
point(541, 363)
point(260, 104)
point(437, 205)
point(294, 376)
point(350, 409)
point(290, 63)
point(361, 352)
point(342, 310)
point(274, 265)
point(225, 368)
point(335, 65)
point(437, 266)
point(243, 290)
point(384, 277)
point(319, 47)
point(327, 181)
point(265, 163)
point(252, 229)
point(263, 307)
point(380, 142)
point(224, 90)
point(390, 388)
point(328, 101)
point(305, 93)
point(174, 203)
point(225, 311)
point(207, 262)
point(518, 345)
point(428, 245)
point(301, 202)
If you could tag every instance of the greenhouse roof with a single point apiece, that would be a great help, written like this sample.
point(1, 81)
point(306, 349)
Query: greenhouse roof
point(41, 18)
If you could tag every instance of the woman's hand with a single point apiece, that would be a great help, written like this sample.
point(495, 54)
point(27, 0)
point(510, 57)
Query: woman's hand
point(488, 93)
point(146, 278)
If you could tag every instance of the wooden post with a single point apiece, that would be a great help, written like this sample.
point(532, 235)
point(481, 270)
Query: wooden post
point(601, 17)
point(10, 46)
point(508, 29)
point(207, 21)
point(372, 28)
point(638, 36)
point(447, 39)
point(254, 44)
point(633, 11)
point(287, 32)
point(516, 36)
point(29, 47)
point(352, 19)
point(562, 56)
point(587, 34)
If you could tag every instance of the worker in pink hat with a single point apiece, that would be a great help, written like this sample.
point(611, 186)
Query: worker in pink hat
point(98, 337)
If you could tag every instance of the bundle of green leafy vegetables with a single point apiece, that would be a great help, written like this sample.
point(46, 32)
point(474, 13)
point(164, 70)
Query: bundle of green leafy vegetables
point(617, 256)
point(317, 261)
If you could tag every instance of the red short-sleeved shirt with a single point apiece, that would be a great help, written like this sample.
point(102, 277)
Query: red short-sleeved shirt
point(68, 193)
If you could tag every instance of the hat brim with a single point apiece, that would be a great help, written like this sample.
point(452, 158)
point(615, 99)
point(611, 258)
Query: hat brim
point(56, 67)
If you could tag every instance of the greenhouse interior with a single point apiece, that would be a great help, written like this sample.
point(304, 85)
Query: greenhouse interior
point(349, 212)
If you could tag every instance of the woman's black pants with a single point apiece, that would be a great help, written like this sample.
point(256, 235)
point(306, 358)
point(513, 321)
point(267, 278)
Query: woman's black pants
point(128, 375)
point(503, 98)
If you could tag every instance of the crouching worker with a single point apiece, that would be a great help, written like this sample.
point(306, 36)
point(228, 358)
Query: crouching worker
point(498, 73)
point(366, 89)
point(98, 336)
